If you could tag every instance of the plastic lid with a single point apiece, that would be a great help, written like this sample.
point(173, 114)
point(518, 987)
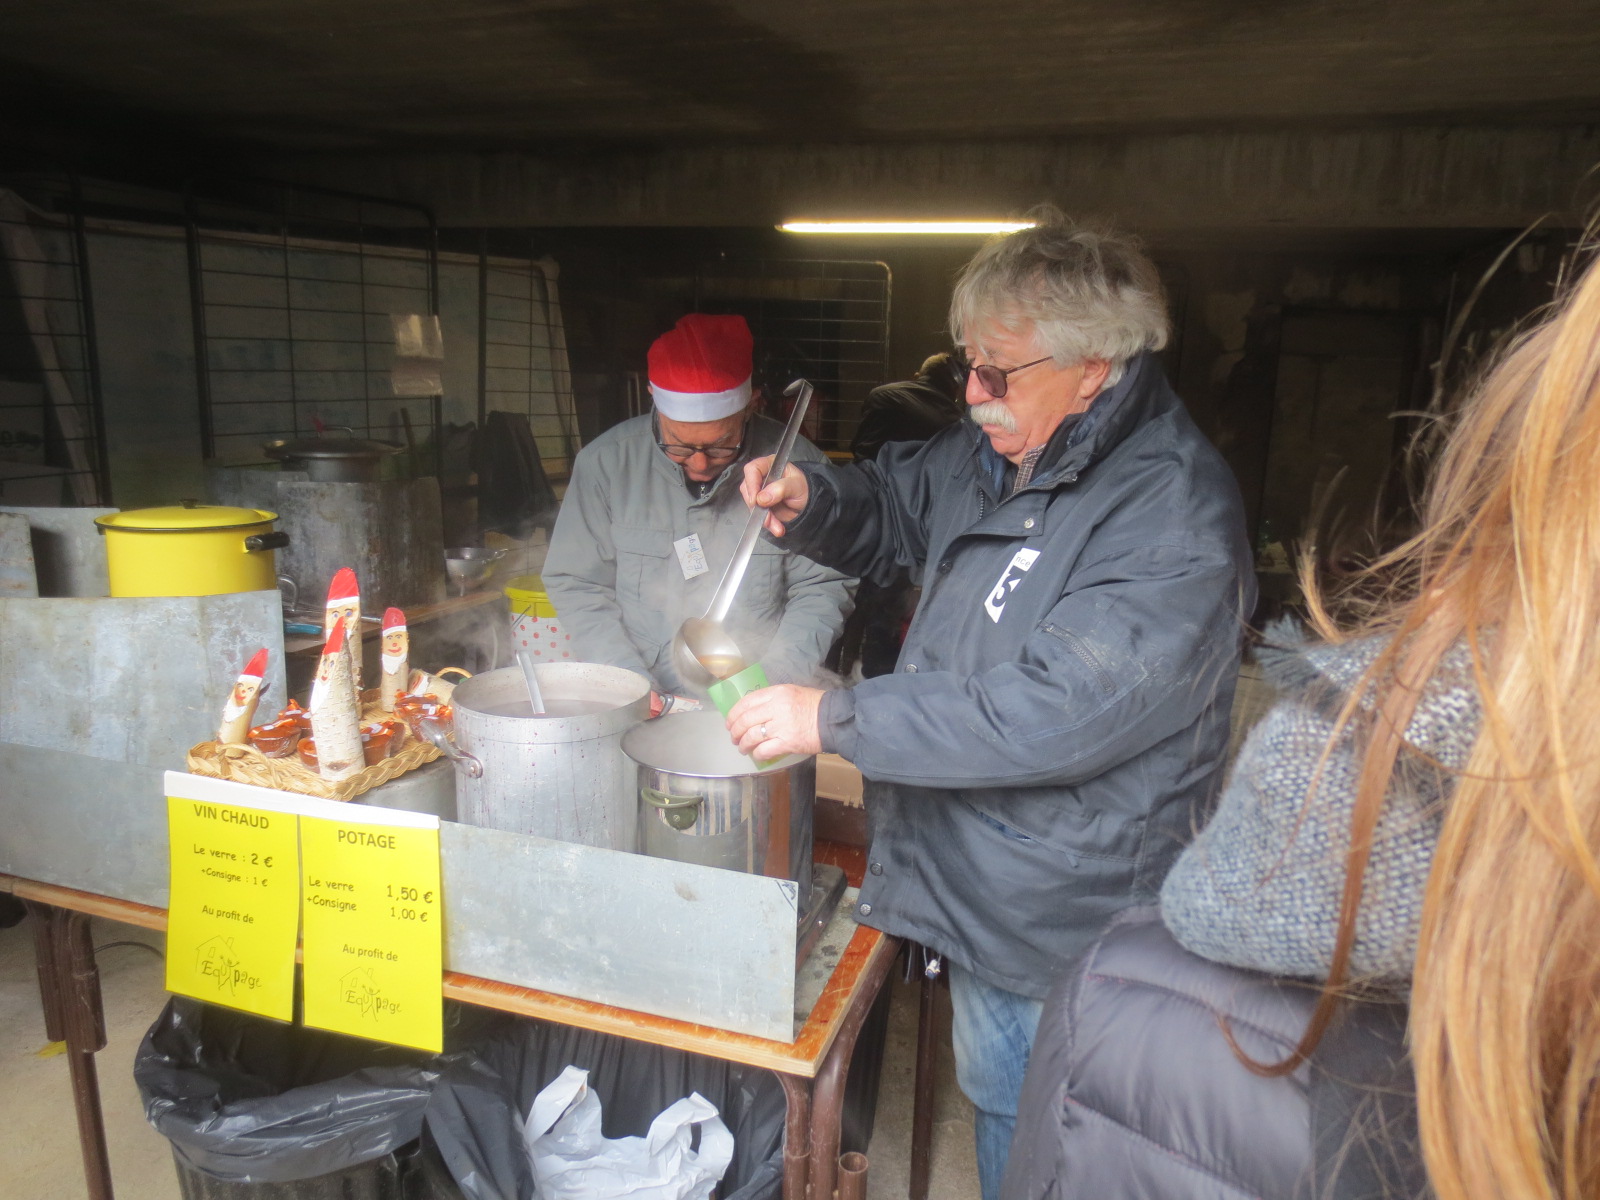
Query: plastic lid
point(190, 517)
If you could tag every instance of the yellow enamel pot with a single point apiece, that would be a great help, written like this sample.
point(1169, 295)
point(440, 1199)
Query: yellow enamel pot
point(191, 549)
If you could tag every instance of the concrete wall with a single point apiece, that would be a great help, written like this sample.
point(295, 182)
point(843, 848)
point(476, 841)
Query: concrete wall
point(1405, 176)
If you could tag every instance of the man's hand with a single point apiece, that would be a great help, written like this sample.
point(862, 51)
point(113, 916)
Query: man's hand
point(784, 499)
point(775, 721)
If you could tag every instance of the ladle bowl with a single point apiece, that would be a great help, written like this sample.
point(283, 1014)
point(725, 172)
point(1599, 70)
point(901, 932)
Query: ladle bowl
point(705, 652)
point(702, 647)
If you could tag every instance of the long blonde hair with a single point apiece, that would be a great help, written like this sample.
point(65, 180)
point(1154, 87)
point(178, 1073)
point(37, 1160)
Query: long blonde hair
point(1505, 1012)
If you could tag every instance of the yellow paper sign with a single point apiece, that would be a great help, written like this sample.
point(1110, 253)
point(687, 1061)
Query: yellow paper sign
point(372, 946)
point(234, 910)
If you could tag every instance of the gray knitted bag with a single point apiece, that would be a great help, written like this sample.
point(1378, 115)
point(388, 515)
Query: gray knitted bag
point(1260, 885)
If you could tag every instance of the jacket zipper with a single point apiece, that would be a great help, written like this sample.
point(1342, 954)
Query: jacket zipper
point(1102, 677)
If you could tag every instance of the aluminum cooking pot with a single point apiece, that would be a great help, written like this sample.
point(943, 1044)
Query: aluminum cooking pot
point(701, 801)
point(190, 549)
point(561, 776)
point(333, 459)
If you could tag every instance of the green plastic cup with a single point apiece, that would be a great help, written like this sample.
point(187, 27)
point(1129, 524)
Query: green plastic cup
point(725, 693)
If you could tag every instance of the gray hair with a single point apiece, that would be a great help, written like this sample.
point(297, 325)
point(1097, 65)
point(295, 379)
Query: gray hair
point(1089, 293)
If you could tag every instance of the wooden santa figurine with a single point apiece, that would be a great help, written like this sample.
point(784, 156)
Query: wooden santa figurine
point(240, 709)
point(344, 606)
point(396, 665)
point(335, 711)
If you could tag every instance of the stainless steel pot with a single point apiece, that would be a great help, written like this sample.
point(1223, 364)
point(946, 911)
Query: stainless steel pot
point(333, 459)
point(561, 777)
point(701, 801)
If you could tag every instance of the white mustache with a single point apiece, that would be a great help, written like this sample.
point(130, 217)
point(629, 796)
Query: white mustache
point(993, 412)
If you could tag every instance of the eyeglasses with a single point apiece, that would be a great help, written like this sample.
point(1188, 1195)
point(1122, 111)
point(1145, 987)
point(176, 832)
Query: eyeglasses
point(993, 379)
point(714, 454)
point(717, 452)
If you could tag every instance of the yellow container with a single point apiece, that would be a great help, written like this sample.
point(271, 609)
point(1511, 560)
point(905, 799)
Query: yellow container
point(191, 550)
point(528, 597)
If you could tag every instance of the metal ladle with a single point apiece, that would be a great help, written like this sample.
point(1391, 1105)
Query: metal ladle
point(700, 640)
point(535, 696)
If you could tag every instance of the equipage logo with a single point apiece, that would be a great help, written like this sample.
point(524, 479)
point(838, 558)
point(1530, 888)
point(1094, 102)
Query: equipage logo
point(995, 602)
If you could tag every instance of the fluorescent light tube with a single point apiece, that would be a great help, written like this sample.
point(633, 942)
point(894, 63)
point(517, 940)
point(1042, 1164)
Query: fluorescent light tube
point(896, 227)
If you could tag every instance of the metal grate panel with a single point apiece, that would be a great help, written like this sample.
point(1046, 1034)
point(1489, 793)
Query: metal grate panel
point(52, 424)
point(825, 319)
point(294, 318)
point(522, 353)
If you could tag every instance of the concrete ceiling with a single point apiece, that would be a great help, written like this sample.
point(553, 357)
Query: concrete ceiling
point(294, 76)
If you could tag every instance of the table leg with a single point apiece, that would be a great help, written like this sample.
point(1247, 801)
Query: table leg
point(827, 1104)
point(69, 984)
point(922, 1104)
point(796, 1135)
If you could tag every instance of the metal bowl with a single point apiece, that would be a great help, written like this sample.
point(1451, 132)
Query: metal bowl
point(468, 566)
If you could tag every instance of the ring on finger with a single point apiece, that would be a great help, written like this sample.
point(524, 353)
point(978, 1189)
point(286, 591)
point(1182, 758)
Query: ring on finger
point(762, 730)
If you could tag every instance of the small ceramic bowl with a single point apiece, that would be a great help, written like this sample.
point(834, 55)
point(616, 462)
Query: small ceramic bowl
point(277, 740)
point(375, 742)
point(293, 712)
point(308, 753)
point(413, 710)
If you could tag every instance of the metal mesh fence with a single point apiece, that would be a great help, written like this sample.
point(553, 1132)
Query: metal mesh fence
point(522, 353)
point(824, 319)
point(296, 329)
point(52, 429)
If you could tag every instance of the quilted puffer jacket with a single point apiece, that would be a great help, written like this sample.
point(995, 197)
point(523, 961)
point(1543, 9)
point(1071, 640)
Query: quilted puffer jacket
point(1133, 1093)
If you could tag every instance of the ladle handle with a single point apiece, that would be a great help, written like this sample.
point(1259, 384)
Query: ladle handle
point(722, 601)
point(531, 678)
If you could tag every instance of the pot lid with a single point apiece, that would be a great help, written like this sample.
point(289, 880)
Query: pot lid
point(695, 744)
point(187, 517)
point(334, 447)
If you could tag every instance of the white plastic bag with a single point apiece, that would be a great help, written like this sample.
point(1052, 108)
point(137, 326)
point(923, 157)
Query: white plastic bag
point(573, 1160)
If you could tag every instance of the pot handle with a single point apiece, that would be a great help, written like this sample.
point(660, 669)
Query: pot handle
point(680, 812)
point(276, 540)
point(465, 763)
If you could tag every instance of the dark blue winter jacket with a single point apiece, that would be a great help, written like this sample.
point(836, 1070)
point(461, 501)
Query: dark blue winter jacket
point(1060, 709)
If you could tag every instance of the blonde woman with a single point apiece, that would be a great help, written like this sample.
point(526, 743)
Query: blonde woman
point(1407, 844)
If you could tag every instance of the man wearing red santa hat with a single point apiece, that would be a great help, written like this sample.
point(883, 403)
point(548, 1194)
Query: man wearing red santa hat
point(653, 513)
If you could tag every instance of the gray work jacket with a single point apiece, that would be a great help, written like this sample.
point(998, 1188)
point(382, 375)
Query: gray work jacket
point(617, 583)
point(1060, 711)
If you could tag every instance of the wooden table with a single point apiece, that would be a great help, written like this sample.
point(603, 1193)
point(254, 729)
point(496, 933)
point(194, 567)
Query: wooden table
point(812, 1069)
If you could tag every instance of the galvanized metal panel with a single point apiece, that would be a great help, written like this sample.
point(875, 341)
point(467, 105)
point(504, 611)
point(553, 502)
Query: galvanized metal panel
point(390, 533)
point(675, 939)
point(86, 823)
point(18, 578)
point(132, 680)
point(68, 549)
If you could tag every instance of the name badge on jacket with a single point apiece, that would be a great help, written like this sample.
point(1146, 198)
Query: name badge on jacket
point(691, 557)
point(995, 602)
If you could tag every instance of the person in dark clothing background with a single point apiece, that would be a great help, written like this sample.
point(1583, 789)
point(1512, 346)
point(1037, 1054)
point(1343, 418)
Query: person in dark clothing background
point(912, 410)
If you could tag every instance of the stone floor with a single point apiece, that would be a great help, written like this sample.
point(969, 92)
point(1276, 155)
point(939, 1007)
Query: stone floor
point(39, 1152)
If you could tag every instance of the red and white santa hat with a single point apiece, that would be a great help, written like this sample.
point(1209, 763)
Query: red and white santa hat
point(343, 588)
point(700, 370)
point(256, 668)
point(394, 621)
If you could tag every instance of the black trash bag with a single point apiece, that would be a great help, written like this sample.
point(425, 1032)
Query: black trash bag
point(482, 1099)
point(249, 1100)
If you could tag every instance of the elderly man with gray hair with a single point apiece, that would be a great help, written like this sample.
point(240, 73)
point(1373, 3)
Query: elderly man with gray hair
point(1057, 721)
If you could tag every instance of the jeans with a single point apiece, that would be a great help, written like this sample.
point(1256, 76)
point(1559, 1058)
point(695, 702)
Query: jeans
point(993, 1034)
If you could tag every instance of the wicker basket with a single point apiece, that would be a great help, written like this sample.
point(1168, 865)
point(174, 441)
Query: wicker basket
point(243, 763)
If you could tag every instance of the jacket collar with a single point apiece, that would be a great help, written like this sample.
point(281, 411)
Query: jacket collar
point(1115, 413)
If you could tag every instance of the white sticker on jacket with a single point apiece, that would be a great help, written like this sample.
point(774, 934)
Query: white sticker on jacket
point(691, 557)
point(995, 602)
